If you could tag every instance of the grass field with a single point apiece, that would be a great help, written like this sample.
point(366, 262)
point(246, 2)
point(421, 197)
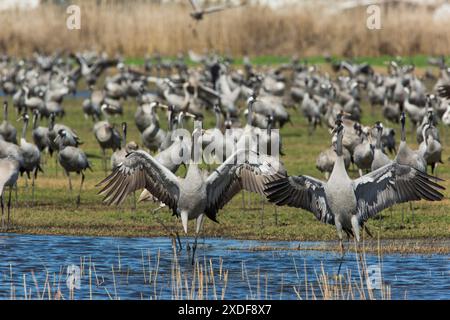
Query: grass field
point(419, 61)
point(55, 212)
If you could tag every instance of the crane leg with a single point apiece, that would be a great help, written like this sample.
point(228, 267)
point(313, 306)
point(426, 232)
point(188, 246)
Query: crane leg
point(243, 200)
point(56, 165)
point(3, 210)
point(194, 248)
point(262, 212)
point(341, 244)
point(412, 211)
point(32, 185)
point(16, 194)
point(276, 215)
point(104, 160)
point(70, 181)
point(175, 234)
point(9, 207)
point(79, 193)
point(403, 215)
point(197, 231)
point(134, 201)
point(433, 169)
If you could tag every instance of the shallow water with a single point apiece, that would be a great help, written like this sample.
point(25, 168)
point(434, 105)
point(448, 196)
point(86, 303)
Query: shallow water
point(252, 274)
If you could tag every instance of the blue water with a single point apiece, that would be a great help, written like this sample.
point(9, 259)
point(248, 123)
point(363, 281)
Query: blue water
point(251, 274)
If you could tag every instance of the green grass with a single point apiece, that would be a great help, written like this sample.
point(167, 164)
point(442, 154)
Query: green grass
point(55, 211)
point(418, 60)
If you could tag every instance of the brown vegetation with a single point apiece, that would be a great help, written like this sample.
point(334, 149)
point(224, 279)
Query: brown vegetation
point(137, 28)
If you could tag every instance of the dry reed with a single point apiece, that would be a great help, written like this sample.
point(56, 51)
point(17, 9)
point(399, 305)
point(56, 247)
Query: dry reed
point(206, 280)
point(137, 28)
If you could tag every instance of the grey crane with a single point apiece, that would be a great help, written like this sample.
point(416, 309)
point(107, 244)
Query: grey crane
point(119, 155)
point(197, 194)
point(248, 137)
point(91, 71)
point(144, 116)
point(70, 137)
point(391, 110)
point(32, 103)
point(31, 155)
point(259, 120)
point(217, 147)
point(363, 152)
point(7, 130)
point(415, 112)
point(111, 107)
point(178, 101)
point(9, 173)
point(433, 130)
point(407, 156)
point(430, 148)
point(326, 159)
point(107, 137)
point(172, 158)
point(153, 136)
point(311, 111)
point(387, 138)
point(444, 92)
point(348, 203)
point(91, 105)
point(380, 159)
point(172, 123)
point(40, 134)
point(72, 159)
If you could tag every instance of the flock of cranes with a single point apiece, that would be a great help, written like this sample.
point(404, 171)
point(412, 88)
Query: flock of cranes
point(248, 155)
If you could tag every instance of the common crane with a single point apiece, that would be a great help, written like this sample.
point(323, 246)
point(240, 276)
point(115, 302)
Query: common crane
point(197, 194)
point(348, 203)
point(9, 173)
point(72, 159)
point(7, 130)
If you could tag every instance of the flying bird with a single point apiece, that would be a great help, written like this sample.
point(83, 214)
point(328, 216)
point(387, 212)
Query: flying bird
point(198, 12)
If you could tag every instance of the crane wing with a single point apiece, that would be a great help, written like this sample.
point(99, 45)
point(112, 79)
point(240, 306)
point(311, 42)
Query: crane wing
point(242, 170)
point(444, 91)
point(391, 184)
point(194, 5)
point(301, 192)
point(140, 170)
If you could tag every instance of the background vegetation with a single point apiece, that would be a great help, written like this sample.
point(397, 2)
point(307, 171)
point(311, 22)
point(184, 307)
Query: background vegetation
point(137, 28)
